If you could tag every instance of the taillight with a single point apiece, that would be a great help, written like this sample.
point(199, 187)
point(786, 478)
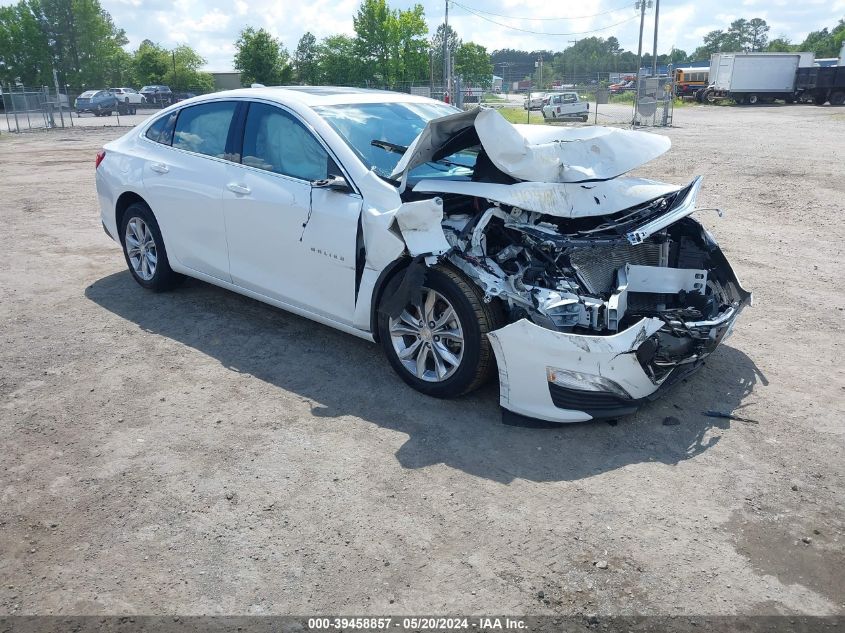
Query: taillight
point(100, 156)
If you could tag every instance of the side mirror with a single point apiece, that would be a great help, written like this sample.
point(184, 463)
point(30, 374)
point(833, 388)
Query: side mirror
point(335, 183)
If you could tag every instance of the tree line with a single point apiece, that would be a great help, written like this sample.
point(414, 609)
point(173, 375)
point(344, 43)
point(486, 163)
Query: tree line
point(390, 48)
point(79, 39)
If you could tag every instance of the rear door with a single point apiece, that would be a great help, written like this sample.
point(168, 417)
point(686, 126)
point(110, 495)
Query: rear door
point(183, 180)
point(289, 240)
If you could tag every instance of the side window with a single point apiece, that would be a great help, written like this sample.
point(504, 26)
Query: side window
point(162, 130)
point(204, 128)
point(274, 140)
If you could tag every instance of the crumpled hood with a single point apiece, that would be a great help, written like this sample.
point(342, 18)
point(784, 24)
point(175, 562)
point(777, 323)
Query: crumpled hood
point(540, 153)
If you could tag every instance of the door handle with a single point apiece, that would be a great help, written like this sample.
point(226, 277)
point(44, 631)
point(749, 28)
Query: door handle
point(238, 188)
point(160, 168)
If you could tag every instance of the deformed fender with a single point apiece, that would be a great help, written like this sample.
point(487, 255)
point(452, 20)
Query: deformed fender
point(524, 350)
point(420, 223)
point(390, 227)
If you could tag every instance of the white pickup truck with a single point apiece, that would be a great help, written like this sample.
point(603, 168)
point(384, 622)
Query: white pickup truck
point(565, 105)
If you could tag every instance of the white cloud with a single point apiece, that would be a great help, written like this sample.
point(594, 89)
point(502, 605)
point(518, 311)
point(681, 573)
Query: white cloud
point(212, 26)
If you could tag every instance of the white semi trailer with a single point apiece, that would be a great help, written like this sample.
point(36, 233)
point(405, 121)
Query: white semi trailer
point(755, 77)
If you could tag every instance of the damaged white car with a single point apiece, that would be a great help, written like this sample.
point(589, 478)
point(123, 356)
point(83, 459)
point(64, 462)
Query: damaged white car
point(459, 242)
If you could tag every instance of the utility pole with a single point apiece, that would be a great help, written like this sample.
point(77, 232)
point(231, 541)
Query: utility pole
point(540, 68)
point(641, 6)
point(574, 43)
point(654, 53)
point(446, 55)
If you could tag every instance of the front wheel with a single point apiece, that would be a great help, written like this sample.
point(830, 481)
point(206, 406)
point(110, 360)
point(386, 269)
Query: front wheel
point(438, 343)
point(143, 248)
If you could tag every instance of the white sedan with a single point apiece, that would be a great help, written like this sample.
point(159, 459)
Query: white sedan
point(460, 243)
point(128, 97)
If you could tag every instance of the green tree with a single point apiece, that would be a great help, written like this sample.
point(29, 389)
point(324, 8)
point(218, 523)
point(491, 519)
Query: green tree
point(825, 43)
point(305, 59)
point(184, 71)
point(24, 50)
point(376, 40)
point(261, 58)
point(781, 44)
point(473, 64)
point(337, 63)
point(150, 63)
point(412, 33)
point(443, 34)
point(758, 34)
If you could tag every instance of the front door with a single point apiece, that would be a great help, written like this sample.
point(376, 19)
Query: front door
point(289, 240)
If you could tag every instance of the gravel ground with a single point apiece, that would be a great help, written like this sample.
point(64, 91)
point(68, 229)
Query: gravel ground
point(198, 452)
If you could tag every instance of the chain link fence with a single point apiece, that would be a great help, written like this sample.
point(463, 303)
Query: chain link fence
point(25, 108)
point(33, 108)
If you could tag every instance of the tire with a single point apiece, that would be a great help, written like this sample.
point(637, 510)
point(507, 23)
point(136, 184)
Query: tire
point(473, 319)
point(753, 99)
point(584, 119)
point(837, 98)
point(138, 221)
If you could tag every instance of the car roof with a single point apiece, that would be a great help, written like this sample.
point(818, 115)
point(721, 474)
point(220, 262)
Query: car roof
point(312, 96)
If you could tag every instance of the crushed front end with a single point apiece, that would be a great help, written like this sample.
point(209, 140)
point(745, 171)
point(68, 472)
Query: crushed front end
point(610, 291)
point(603, 311)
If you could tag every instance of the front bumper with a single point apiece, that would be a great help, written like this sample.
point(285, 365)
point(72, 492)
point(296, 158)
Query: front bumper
point(528, 356)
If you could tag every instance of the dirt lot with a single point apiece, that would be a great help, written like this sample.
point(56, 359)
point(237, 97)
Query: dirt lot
point(199, 452)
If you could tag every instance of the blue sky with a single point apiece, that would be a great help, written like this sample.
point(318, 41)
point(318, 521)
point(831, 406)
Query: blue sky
point(211, 26)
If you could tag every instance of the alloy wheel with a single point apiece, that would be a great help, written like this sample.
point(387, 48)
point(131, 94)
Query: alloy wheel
point(428, 337)
point(141, 248)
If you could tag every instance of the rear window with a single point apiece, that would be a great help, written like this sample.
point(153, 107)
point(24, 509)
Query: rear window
point(88, 94)
point(161, 131)
point(204, 128)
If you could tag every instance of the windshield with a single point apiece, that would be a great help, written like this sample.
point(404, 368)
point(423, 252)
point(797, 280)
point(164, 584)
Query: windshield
point(397, 124)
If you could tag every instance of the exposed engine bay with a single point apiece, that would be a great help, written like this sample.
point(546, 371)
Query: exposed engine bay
point(609, 291)
point(584, 276)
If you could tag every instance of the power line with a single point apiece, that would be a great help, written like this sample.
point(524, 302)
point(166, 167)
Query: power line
point(515, 28)
point(627, 5)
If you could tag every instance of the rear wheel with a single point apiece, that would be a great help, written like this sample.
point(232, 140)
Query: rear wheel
point(753, 99)
point(438, 344)
point(143, 248)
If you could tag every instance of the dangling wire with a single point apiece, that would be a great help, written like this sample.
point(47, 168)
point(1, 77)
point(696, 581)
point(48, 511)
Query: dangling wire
point(310, 209)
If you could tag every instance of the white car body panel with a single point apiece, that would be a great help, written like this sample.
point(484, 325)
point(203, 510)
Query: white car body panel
point(564, 200)
point(541, 153)
point(295, 245)
point(280, 252)
point(524, 351)
point(185, 189)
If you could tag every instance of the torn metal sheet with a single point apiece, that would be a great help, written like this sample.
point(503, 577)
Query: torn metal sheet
point(564, 200)
point(421, 226)
point(539, 153)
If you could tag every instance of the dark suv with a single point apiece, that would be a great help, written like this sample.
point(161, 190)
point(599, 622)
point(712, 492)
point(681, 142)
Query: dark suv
point(161, 95)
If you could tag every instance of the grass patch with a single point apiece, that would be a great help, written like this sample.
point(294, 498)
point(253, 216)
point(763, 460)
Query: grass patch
point(520, 115)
